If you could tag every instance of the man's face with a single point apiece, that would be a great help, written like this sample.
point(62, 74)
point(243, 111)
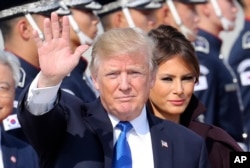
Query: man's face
point(124, 82)
point(7, 91)
point(228, 10)
point(87, 23)
point(143, 19)
point(187, 14)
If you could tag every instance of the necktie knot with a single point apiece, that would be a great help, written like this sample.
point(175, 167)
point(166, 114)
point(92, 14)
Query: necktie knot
point(124, 126)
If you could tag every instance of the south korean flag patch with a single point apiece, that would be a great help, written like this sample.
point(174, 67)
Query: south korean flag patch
point(11, 122)
point(246, 40)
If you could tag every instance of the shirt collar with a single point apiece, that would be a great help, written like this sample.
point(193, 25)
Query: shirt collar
point(140, 124)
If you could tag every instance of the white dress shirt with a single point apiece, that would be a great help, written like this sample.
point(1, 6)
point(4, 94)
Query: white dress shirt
point(41, 101)
point(139, 140)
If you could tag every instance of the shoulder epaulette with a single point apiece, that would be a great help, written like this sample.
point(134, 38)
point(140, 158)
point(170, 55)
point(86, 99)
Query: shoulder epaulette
point(201, 44)
point(246, 40)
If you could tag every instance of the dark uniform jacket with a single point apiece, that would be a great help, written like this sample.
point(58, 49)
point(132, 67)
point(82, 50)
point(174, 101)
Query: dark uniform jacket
point(239, 60)
point(216, 88)
point(77, 135)
point(76, 83)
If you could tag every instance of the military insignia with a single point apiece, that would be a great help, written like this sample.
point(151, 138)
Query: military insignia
point(246, 40)
point(11, 122)
point(201, 45)
point(13, 159)
point(245, 78)
point(244, 72)
point(202, 84)
point(230, 87)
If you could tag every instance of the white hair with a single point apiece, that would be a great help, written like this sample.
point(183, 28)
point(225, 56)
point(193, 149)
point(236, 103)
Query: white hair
point(10, 60)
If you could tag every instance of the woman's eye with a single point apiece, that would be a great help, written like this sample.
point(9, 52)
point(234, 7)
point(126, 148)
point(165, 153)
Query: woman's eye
point(189, 78)
point(167, 79)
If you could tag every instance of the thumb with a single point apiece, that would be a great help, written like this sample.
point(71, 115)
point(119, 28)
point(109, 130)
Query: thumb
point(80, 50)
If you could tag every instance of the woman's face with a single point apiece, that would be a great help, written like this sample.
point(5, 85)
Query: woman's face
point(173, 88)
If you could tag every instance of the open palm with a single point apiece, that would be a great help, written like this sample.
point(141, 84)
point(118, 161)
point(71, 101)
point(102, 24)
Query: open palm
point(56, 58)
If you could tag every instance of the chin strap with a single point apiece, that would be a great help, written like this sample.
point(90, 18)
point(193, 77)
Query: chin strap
point(128, 17)
point(33, 24)
point(184, 29)
point(84, 39)
point(226, 24)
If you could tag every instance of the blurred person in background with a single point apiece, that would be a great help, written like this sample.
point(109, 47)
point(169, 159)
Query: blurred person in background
point(239, 60)
point(180, 14)
point(122, 14)
point(13, 151)
point(218, 88)
point(83, 30)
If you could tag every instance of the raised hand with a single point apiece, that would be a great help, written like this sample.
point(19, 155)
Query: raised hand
point(56, 58)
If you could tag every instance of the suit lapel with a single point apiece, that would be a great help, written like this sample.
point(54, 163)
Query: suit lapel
point(162, 144)
point(101, 123)
point(9, 153)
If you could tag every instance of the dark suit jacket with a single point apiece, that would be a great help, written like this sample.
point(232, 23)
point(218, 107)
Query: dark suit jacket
point(17, 154)
point(77, 135)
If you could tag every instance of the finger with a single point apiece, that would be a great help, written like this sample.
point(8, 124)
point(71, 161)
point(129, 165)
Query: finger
point(55, 25)
point(47, 29)
point(65, 28)
point(37, 40)
point(80, 50)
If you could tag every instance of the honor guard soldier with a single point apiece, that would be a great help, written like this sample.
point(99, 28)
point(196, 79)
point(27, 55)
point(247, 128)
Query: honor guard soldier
point(239, 60)
point(217, 88)
point(128, 13)
point(18, 19)
point(180, 14)
point(83, 23)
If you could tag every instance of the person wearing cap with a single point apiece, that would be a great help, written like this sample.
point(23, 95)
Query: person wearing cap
point(13, 151)
point(127, 13)
point(215, 88)
point(180, 14)
point(238, 59)
point(68, 133)
point(218, 88)
point(83, 30)
point(18, 19)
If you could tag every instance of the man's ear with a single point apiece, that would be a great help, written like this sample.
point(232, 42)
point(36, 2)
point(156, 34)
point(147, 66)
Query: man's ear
point(203, 9)
point(95, 82)
point(118, 19)
point(24, 29)
point(165, 12)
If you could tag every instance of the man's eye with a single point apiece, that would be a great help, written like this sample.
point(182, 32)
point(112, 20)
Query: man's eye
point(4, 88)
point(112, 74)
